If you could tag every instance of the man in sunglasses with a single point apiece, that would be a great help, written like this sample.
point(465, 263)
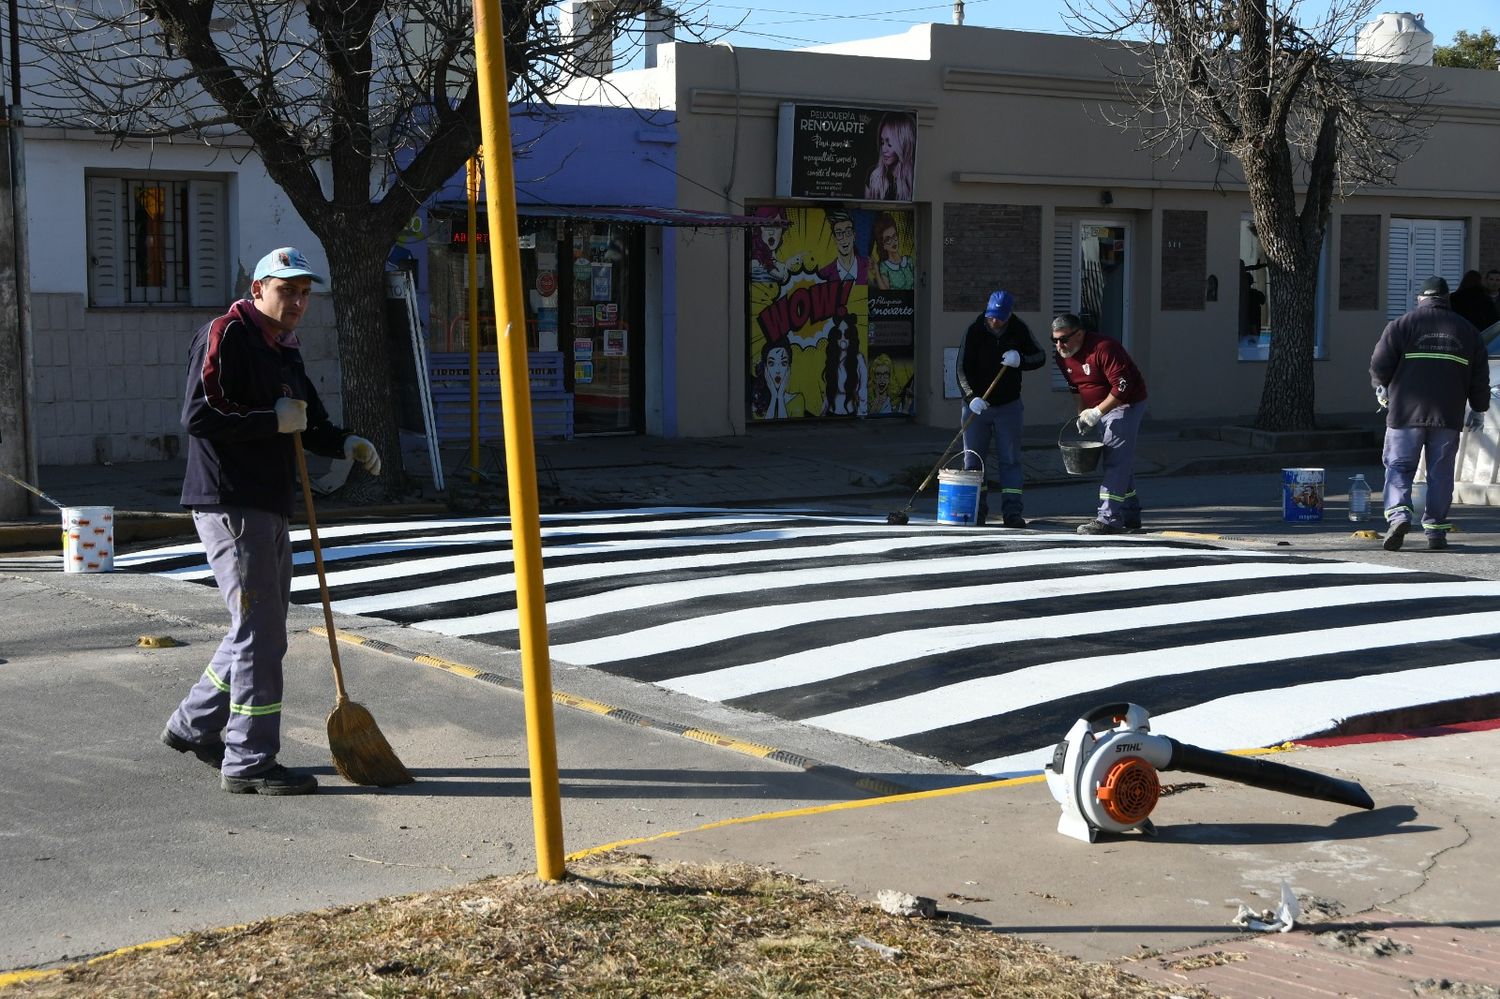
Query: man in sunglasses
point(1110, 392)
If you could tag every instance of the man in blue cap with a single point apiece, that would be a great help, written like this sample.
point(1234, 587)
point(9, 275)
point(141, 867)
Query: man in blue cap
point(247, 394)
point(996, 342)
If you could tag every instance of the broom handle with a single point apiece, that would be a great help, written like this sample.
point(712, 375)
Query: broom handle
point(312, 531)
point(964, 426)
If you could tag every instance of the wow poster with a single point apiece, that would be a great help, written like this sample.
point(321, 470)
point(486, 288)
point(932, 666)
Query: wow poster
point(831, 313)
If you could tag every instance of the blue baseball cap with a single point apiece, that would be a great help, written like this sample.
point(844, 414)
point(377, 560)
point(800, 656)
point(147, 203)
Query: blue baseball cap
point(285, 262)
point(999, 307)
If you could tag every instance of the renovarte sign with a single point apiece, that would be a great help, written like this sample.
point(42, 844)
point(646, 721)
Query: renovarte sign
point(846, 153)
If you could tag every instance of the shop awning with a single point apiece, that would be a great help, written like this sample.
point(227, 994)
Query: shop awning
point(642, 214)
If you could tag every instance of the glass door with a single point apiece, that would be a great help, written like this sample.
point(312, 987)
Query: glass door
point(1103, 263)
point(604, 344)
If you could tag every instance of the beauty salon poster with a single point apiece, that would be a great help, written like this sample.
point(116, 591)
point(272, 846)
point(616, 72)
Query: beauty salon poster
point(831, 313)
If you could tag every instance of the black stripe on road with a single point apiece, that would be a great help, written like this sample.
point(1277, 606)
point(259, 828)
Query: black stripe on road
point(1006, 733)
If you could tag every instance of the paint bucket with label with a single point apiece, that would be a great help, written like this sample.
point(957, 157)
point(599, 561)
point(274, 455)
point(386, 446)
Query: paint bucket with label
point(88, 538)
point(958, 494)
point(1301, 495)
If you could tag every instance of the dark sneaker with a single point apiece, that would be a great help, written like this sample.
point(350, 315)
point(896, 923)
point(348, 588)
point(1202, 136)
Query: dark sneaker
point(211, 753)
point(277, 780)
point(983, 516)
point(1395, 535)
point(1436, 543)
point(1099, 527)
point(1015, 520)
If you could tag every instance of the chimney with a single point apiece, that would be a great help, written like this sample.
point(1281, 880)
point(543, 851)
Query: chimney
point(958, 11)
point(661, 29)
point(584, 23)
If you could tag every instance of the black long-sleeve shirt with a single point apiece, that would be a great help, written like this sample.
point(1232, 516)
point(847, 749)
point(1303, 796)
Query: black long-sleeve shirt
point(979, 359)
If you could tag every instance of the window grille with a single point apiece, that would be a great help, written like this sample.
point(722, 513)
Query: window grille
point(157, 240)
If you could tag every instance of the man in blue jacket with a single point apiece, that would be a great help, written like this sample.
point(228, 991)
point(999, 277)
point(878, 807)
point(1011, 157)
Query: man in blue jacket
point(247, 394)
point(1426, 366)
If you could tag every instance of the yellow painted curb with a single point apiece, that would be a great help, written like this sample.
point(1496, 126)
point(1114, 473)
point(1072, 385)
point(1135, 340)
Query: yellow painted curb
point(8, 978)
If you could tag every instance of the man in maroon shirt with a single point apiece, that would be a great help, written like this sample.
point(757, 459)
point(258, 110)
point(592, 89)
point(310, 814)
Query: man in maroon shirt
point(1110, 391)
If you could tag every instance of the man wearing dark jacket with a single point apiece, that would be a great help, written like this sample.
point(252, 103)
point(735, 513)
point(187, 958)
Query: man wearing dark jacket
point(1426, 365)
point(247, 394)
point(996, 341)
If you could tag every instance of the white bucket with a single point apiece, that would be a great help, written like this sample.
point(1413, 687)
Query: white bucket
point(958, 495)
point(88, 538)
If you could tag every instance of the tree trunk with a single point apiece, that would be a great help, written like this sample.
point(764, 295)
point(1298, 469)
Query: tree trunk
point(1286, 400)
point(356, 265)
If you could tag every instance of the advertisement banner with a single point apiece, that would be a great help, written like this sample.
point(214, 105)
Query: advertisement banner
point(846, 154)
point(831, 313)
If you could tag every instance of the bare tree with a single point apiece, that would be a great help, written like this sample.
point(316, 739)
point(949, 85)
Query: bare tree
point(359, 109)
point(1284, 96)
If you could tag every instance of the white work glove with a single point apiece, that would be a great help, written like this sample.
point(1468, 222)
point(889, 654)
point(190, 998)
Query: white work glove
point(1011, 359)
point(1382, 396)
point(1088, 419)
point(977, 405)
point(360, 450)
point(291, 415)
point(1474, 421)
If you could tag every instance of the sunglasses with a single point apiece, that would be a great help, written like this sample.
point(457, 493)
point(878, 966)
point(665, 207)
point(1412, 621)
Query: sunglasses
point(1065, 337)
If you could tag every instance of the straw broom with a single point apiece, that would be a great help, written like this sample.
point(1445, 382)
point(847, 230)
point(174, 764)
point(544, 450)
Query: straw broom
point(360, 753)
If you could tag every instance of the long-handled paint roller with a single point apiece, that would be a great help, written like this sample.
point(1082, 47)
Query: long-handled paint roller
point(360, 753)
point(901, 516)
point(32, 489)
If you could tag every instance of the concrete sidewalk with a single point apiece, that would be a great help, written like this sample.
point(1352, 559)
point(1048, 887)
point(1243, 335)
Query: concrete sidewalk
point(865, 463)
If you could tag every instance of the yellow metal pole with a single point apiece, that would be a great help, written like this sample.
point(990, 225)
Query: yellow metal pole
point(473, 188)
point(520, 451)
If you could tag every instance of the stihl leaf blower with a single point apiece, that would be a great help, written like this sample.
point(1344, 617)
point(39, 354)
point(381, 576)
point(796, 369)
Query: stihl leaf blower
point(1104, 773)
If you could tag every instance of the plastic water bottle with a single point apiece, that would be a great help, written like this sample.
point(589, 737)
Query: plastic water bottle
point(1359, 498)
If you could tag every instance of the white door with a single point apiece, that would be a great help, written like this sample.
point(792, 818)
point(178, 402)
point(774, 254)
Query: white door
point(1418, 249)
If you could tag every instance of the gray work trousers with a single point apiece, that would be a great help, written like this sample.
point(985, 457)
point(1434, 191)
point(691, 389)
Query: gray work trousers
point(1403, 447)
point(239, 694)
point(1118, 504)
point(1000, 425)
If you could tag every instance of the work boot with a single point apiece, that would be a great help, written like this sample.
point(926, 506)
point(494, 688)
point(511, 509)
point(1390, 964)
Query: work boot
point(1437, 542)
point(211, 753)
point(277, 780)
point(1099, 527)
point(1394, 535)
point(1015, 520)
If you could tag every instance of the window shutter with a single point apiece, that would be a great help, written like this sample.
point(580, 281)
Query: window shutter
point(106, 267)
point(1451, 251)
point(206, 226)
point(1398, 270)
point(1420, 248)
point(1064, 248)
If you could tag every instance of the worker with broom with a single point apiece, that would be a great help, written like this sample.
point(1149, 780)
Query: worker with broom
point(994, 342)
point(248, 397)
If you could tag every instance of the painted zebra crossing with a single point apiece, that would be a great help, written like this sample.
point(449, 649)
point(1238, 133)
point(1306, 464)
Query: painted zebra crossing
point(974, 646)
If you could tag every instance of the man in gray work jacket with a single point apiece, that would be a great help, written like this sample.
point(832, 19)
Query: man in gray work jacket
point(1426, 366)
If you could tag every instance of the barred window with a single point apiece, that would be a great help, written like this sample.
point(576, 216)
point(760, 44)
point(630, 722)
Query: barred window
point(156, 240)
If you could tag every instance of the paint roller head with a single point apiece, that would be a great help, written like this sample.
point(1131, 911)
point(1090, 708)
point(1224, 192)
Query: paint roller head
point(896, 517)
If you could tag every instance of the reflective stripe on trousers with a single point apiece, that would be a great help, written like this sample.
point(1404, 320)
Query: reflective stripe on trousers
point(1002, 425)
point(239, 693)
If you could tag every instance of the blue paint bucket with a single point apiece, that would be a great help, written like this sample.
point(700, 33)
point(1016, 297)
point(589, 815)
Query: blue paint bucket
point(958, 495)
point(1301, 495)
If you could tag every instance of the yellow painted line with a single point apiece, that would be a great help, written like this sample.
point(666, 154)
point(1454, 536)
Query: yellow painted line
point(1191, 534)
point(715, 739)
point(16, 977)
point(584, 703)
point(443, 664)
point(343, 636)
point(837, 806)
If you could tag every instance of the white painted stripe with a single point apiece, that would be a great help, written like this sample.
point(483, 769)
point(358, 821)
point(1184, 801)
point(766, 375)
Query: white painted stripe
point(656, 594)
point(886, 538)
point(984, 697)
point(360, 529)
point(831, 661)
point(338, 553)
point(1267, 717)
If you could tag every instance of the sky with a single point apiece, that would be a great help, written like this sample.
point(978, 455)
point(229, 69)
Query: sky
point(783, 25)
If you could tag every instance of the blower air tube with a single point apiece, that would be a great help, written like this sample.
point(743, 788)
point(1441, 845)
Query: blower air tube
point(1268, 775)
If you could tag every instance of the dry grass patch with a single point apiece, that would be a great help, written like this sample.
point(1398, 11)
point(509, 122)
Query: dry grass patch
point(620, 926)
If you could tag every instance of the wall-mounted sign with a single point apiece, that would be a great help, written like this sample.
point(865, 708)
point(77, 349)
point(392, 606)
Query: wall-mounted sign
point(846, 153)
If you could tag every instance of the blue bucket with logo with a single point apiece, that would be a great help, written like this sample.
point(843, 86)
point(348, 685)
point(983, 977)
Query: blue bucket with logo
point(1301, 495)
point(958, 494)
